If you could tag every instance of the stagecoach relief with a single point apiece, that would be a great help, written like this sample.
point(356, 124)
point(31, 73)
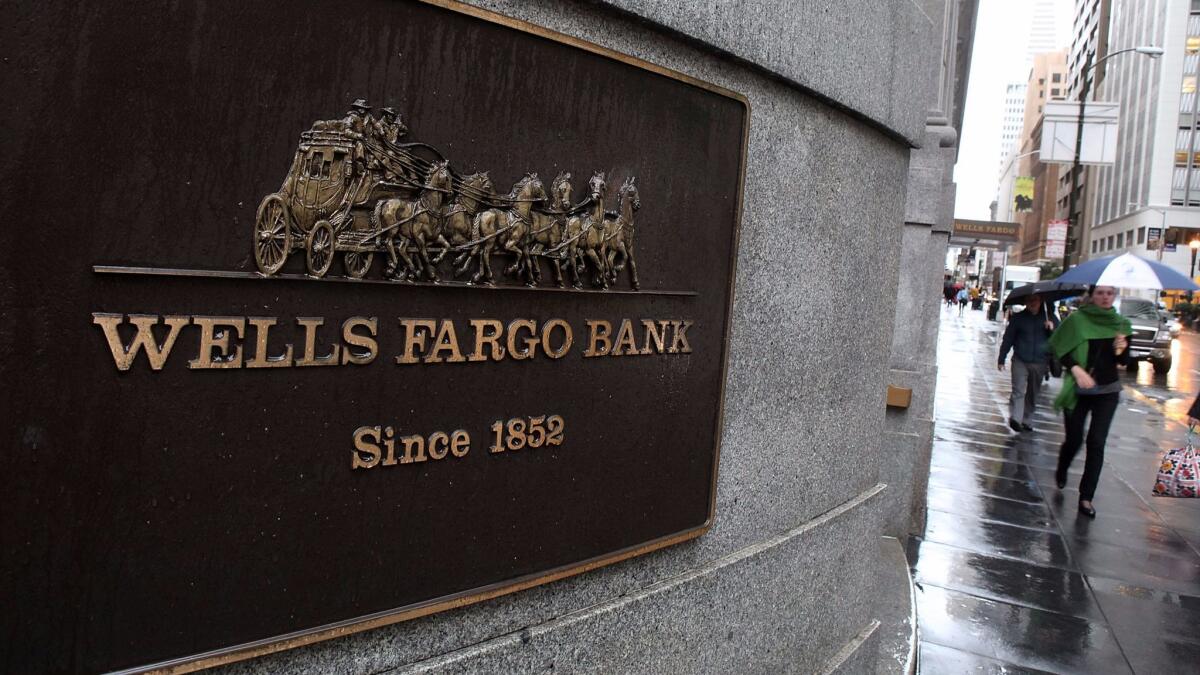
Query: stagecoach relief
point(357, 190)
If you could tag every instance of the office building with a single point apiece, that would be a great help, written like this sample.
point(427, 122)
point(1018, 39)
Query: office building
point(1154, 184)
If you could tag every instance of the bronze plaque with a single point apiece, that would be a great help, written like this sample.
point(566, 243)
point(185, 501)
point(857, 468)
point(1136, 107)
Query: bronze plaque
point(321, 317)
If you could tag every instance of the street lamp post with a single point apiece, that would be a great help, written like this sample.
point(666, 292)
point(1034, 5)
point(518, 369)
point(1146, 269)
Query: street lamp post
point(1194, 244)
point(1076, 166)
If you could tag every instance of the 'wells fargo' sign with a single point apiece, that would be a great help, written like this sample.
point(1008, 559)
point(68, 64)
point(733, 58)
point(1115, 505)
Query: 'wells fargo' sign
point(285, 372)
point(986, 229)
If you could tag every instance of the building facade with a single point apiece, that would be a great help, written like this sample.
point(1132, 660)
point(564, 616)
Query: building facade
point(1046, 34)
point(1151, 193)
point(1047, 81)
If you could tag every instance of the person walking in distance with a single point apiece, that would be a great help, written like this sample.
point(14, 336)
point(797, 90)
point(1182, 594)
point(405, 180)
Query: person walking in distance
point(1090, 344)
point(963, 298)
point(1026, 335)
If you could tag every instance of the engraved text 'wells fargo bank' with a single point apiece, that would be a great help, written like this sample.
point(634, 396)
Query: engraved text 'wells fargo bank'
point(234, 342)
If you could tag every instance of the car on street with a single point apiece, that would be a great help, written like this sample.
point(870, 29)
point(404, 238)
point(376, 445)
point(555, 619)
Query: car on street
point(1174, 325)
point(1151, 339)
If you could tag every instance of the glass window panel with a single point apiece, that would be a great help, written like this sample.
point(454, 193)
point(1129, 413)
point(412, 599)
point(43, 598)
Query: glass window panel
point(1189, 84)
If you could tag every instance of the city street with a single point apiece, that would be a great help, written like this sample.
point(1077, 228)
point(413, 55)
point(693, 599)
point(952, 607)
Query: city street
point(1009, 577)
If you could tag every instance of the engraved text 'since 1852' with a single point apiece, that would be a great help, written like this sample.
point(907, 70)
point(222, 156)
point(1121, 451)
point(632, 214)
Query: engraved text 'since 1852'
point(331, 317)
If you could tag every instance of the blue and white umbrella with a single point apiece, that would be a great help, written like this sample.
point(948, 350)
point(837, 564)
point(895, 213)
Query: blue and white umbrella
point(1128, 271)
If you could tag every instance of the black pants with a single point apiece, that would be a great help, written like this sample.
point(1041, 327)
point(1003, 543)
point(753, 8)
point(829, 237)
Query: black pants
point(1102, 407)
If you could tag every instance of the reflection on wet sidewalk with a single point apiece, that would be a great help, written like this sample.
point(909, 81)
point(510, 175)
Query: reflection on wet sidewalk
point(1010, 579)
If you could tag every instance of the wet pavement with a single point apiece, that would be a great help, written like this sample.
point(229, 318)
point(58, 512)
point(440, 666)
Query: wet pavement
point(1010, 577)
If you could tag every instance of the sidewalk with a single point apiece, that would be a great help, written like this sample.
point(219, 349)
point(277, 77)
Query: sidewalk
point(1010, 579)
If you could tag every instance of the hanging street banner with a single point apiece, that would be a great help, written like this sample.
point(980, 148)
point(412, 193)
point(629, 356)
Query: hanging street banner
point(1056, 239)
point(1023, 194)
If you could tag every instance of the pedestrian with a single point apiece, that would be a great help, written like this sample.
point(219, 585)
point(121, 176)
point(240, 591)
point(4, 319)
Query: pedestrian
point(1026, 335)
point(963, 298)
point(1090, 344)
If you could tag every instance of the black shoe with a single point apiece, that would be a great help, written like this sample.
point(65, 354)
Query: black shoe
point(1026, 427)
point(1014, 425)
point(1089, 511)
point(1060, 481)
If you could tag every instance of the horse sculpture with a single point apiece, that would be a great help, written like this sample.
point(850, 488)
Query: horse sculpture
point(508, 228)
point(524, 195)
point(618, 233)
point(586, 235)
point(418, 221)
point(547, 228)
point(461, 215)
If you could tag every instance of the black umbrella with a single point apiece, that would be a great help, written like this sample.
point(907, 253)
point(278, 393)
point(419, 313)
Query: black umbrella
point(1048, 290)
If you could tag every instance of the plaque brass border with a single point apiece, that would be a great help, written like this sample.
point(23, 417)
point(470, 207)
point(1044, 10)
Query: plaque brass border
point(301, 638)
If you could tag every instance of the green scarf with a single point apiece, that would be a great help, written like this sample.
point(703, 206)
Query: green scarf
point(1089, 323)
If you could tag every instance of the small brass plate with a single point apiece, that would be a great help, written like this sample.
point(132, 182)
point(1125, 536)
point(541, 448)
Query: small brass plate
point(898, 397)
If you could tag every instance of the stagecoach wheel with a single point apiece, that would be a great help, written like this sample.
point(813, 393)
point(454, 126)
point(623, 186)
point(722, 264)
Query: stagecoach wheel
point(357, 264)
point(319, 249)
point(272, 235)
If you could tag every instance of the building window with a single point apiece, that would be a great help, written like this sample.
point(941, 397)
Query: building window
point(1120, 240)
point(1041, 80)
point(1093, 246)
point(1129, 238)
point(1141, 235)
point(1110, 243)
point(1056, 77)
point(1055, 92)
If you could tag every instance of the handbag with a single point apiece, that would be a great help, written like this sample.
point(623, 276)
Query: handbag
point(1179, 471)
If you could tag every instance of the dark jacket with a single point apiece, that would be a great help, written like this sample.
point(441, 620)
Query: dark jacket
point(1026, 335)
point(1102, 361)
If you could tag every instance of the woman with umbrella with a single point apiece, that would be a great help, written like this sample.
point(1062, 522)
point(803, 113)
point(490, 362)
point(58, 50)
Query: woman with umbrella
point(1090, 344)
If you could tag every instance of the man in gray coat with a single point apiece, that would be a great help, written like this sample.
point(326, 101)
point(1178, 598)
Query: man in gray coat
point(1026, 336)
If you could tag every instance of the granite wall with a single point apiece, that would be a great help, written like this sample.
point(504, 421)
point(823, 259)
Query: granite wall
point(839, 94)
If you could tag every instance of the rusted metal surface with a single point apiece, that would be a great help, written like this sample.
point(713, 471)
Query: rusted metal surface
point(217, 501)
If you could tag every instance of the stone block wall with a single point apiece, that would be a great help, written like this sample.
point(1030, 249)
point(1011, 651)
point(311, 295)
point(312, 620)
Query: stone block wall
point(810, 477)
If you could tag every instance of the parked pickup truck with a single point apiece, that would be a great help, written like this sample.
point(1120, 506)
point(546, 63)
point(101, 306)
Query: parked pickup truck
point(1151, 340)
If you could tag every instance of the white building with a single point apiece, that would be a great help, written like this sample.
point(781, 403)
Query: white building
point(1010, 128)
point(1155, 180)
